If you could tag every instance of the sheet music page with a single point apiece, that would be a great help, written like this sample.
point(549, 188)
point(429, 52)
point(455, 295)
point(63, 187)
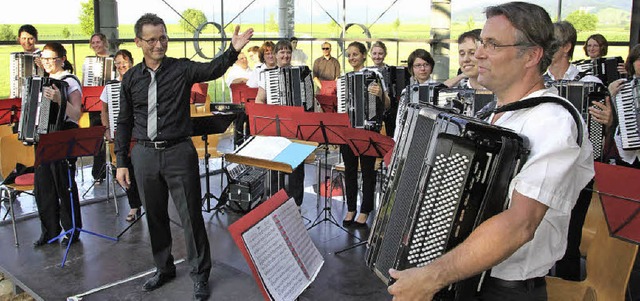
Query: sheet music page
point(263, 147)
point(273, 245)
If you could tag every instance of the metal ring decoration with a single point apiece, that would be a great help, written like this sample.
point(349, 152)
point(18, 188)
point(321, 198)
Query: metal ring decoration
point(196, 36)
point(365, 30)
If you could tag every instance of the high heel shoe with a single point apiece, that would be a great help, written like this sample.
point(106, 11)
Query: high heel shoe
point(133, 216)
point(357, 224)
point(349, 222)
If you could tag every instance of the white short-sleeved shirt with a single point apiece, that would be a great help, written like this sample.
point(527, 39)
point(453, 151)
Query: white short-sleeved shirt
point(74, 85)
point(254, 79)
point(555, 172)
point(236, 72)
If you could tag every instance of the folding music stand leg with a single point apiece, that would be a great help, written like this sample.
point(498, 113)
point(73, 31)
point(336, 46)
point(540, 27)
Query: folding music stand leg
point(219, 208)
point(74, 229)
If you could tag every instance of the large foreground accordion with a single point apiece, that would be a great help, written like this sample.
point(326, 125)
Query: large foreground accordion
point(605, 68)
point(628, 108)
point(364, 108)
point(448, 174)
point(97, 71)
point(581, 95)
point(23, 65)
point(466, 101)
point(40, 115)
point(113, 104)
point(290, 86)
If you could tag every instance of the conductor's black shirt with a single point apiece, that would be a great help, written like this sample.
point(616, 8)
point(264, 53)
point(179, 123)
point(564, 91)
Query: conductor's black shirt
point(174, 80)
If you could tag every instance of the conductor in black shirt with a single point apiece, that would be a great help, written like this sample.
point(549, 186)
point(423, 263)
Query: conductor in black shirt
point(154, 111)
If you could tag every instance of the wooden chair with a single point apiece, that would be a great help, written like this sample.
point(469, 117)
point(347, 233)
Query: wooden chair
point(13, 151)
point(594, 216)
point(609, 265)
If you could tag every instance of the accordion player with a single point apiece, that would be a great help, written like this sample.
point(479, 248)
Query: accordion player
point(364, 109)
point(448, 174)
point(23, 65)
point(627, 106)
point(289, 86)
point(40, 115)
point(581, 95)
point(97, 71)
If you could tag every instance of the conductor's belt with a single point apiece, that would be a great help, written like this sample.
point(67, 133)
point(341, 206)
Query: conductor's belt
point(163, 143)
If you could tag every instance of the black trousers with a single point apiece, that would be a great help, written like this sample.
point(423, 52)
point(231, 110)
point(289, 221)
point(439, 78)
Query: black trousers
point(494, 290)
point(367, 168)
point(98, 170)
point(294, 184)
point(568, 267)
point(173, 171)
point(132, 193)
point(51, 190)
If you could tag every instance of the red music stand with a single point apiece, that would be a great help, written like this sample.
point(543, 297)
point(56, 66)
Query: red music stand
point(199, 92)
point(241, 93)
point(620, 198)
point(91, 98)
point(271, 120)
point(10, 110)
point(368, 143)
point(69, 144)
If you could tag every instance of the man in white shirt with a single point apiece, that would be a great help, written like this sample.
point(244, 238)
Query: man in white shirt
point(522, 243)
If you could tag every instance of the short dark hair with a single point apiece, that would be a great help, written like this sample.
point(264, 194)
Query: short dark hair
point(266, 45)
point(147, 19)
point(61, 52)
point(634, 54)
point(28, 28)
point(293, 39)
point(422, 54)
point(124, 53)
point(602, 42)
point(473, 34)
point(565, 33)
point(283, 44)
point(533, 27)
point(360, 46)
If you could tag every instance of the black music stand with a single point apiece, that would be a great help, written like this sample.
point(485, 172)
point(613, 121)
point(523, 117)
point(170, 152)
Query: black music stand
point(620, 197)
point(64, 145)
point(10, 110)
point(205, 126)
point(324, 128)
point(367, 143)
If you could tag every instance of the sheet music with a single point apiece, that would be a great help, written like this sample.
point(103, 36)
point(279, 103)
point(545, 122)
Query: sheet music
point(284, 255)
point(264, 147)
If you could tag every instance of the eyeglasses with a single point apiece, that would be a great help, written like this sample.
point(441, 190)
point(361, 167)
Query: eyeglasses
point(491, 46)
point(418, 66)
point(49, 59)
point(118, 64)
point(153, 41)
point(326, 48)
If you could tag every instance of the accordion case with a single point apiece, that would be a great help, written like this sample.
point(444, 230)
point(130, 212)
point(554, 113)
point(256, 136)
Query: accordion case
point(448, 173)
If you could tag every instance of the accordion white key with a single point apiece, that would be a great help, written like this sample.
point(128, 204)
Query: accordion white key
point(22, 66)
point(113, 104)
point(97, 71)
point(290, 86)
point(628, 108)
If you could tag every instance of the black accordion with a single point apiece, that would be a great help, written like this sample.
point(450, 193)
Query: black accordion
point(465, 101)
point(113, 104)
point(246, 186)
point(40, 115)
point(627, 103)
point(396, 79)
point(448, 174)
point(290, 86)
point(605, 68)
point(581, 95)
point(97, 71)
point(364, 108)
point(23, 65)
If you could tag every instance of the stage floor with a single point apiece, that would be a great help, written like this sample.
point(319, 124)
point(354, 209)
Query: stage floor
point(100, 269)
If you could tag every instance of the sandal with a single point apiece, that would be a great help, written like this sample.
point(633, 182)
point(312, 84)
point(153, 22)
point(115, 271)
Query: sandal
point(135, 215)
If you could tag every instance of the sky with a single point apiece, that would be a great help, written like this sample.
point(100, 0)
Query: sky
point(307, 11)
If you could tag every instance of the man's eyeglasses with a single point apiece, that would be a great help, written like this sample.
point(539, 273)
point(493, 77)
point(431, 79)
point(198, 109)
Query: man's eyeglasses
point(418, 66)
point(491, 46)
point(326, 48)
point(153, 41)
point(48, 59)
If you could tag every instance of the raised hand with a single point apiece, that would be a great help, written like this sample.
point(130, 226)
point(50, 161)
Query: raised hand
point(238, 41)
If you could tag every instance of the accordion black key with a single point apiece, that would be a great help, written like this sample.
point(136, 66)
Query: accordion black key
point(448, 174)
point(364, 109)
point(581, 95)
point(40, 115)
point(627, 103)
point(290, 86)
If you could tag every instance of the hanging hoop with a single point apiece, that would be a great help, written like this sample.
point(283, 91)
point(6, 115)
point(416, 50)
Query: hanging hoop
point(196, 37)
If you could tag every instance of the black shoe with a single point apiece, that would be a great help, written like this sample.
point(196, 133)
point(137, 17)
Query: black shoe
point(201, 290)
point(65, 240)
point(158, 280)
point(41, 242)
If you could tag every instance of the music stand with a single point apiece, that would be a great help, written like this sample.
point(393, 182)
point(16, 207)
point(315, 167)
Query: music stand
point(620, 198)
point(367, 143)
point(10, 110)
point(91, 98)
point(324, 128)
point(64, 145)
point(204, 126)
point(328, 103)
point(270, 120)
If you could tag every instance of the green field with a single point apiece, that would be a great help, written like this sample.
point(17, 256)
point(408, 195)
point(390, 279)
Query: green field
point(400, 43)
